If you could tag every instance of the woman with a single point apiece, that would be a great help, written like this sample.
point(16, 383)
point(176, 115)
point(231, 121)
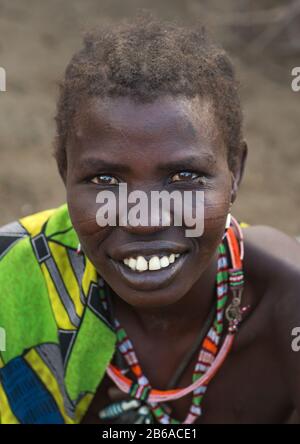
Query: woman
point(141, 323)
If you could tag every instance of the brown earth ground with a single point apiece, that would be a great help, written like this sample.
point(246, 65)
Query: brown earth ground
point(37, 39)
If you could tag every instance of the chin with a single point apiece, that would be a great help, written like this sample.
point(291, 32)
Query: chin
point(151, 299)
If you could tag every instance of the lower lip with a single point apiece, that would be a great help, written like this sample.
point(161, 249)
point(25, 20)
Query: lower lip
point(150, 280)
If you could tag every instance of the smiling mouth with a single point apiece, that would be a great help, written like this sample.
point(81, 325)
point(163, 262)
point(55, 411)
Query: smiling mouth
point(151, 272)
point(151, 263)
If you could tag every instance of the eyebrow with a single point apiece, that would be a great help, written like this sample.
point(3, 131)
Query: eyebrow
point(89, 163)
point(205, 160)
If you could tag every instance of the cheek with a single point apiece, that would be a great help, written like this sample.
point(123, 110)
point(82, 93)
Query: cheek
point(83, 209)
point(217, 202)
point(215, 211)
point(216, 208)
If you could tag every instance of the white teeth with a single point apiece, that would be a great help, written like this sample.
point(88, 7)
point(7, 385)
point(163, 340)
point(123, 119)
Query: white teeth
point(172, 258)
point(154, 263)
point(141, 264)
point(164, 262)
point(132, 263)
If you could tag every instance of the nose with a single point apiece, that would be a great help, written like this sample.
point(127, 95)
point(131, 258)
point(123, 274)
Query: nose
point(144, 229)
point(143, 215)
point(140, 219)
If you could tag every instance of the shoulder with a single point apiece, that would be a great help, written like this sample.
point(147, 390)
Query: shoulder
point(24, 292)
point(24, 242)
point(25, 245)
point(272, 258)
point(271, 253)
point(16, 237)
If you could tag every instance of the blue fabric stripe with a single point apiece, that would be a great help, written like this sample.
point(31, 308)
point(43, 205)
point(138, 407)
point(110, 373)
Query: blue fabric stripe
point(29, 399)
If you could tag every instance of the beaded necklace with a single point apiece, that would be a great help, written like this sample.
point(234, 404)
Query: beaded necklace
point(150, 402)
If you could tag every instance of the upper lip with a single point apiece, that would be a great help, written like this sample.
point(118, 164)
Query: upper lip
point(157, 248)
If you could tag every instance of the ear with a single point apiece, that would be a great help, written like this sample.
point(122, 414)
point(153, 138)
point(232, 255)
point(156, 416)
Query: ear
point(238, 173)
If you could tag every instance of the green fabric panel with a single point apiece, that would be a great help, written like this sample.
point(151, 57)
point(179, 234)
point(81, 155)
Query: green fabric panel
point(58, 223)
point(68, 239)
point(25, 310)
point(93, 349)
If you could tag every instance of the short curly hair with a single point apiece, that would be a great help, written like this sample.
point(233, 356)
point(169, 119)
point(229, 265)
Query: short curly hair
point(145, 59)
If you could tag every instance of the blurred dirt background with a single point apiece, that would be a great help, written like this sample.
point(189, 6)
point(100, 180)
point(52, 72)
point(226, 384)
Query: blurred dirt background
point(38, 37)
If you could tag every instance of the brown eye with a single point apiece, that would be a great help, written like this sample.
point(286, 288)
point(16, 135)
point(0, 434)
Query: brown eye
point(187, 176)
point(105, 179)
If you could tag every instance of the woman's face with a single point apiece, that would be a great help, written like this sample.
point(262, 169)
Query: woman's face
point(169, 144)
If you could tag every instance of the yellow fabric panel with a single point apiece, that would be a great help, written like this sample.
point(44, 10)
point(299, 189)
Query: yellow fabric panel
point(82, 406)
point(59, 311)
point(62, 261)
point(34, 222)
point(89, 275)
point(6, 415)
point(47, 377)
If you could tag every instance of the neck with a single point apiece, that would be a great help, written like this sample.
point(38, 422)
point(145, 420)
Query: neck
point(185, 316)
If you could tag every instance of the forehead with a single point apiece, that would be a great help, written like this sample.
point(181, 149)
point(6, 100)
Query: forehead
point(187, 116)
point(168, 124)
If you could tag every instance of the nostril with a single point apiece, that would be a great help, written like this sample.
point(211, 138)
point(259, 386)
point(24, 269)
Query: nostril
point(144, 229)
